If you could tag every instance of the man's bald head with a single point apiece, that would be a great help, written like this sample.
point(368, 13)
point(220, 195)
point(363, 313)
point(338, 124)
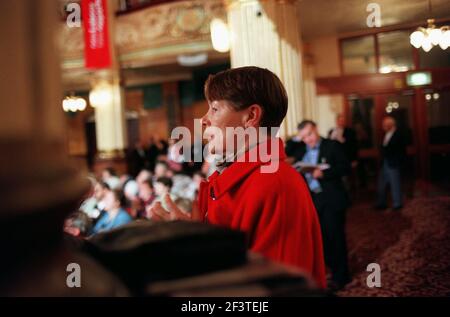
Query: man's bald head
point(389, 123)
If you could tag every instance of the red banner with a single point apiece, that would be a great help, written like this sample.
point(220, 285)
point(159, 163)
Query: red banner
point(96, 36)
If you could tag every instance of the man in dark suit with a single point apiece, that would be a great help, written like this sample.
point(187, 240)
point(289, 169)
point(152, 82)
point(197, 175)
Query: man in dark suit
point(138, 159)
point(347, 137)
point(329, 196)
point(393, 153)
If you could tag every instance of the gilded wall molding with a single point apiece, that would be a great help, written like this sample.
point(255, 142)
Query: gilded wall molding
point(174, 28)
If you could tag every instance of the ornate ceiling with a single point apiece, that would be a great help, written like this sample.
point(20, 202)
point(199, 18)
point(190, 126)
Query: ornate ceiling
point(152, 36)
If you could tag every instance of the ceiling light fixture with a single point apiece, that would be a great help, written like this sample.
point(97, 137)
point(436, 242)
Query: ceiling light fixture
point(430, 36)
point(220, 35)
point(73, 104)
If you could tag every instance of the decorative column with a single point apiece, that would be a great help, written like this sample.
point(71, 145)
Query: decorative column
point(266, 33)
point(39, 186)
point(107, 96)
point(34, 165)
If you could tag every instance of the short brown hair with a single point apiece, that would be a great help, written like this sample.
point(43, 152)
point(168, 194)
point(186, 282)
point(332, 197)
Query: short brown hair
point(119, 196)
point(304, 123)
point(246, 86)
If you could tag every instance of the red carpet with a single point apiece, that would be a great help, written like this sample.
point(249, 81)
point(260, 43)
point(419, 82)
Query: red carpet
point(412, 248)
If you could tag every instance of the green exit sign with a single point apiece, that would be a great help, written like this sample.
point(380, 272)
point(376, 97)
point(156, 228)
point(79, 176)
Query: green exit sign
point(418, 78)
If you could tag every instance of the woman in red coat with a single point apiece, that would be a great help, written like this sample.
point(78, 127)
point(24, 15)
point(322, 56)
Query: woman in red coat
point(254, 190)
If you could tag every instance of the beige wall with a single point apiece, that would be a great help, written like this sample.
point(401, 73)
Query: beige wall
point(323, 61)
point(325, 56)
point(152, 122)
point(328, 106)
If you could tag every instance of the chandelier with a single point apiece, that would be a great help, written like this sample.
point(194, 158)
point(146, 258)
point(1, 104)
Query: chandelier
point(430, 36)
point(73, 104)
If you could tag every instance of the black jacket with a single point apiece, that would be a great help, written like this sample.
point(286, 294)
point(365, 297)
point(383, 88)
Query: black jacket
point(394, 153)
point(351, 143)
point(332, 153)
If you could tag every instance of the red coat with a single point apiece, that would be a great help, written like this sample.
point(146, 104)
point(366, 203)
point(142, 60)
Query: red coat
point(275, 210)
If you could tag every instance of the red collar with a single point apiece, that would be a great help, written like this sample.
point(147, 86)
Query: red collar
point(261, 154)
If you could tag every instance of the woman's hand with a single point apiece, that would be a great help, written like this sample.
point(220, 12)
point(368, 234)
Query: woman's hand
point(158, 213)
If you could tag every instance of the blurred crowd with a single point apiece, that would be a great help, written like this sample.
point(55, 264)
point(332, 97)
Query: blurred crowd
point(161, 170)
point(156, 170)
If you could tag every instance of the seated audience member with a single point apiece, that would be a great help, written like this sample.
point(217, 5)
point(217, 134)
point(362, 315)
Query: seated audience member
point(131, 192)
point(109, 176)
point(115, 216)
point(143, 176)
point(161, 170)
point(78, 224)
point(146, 197)
point(89, 204)
point(125, 178)
point(163, 186)
point(100, 190)
point(131, 189)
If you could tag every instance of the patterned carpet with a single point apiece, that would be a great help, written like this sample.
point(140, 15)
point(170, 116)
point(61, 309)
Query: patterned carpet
point(412, 248)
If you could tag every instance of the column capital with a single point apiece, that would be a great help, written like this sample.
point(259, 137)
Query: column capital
point(111, 154)
point(232, 3)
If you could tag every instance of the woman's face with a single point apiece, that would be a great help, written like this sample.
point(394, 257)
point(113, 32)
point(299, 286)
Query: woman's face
point(111, 202)
point(145, 191)
point(160, 190)
point(221, 115)
point(99, 191)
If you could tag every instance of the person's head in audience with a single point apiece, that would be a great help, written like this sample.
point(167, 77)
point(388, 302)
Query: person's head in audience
point(124, 178)
point(184, 204)
point(110, 177)
point(100, 190)
point(93, 183)
point(108, 172)
point(388, 123)
point(163, 185)
point(143, 176)
point(308, 133)
point(146, 191)
point(161, 169)
point(114, 200)
point(170, 173)
point(78, 224)
point(340, 121)
point(131, 189)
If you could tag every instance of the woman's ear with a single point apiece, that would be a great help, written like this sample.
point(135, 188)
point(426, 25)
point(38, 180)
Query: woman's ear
point(254, 116)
